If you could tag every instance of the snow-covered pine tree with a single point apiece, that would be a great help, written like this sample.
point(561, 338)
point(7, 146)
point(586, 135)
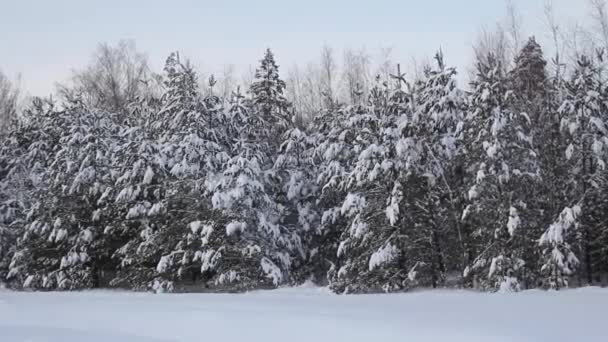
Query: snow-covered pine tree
point(168, 163)
point(528, 82)
point(429, 143)
point(23, 156)
point(37, 139)
point(377, 251)
point(268, 100)
point(296, 167)
point(181, 95)
point(583, 117)
point(559, 261)
point(531, 92)
point(400, 197)
point(197, 151)
point(140, 201)
point(61, 245)
point(257, 247)
point(13, 194)
point(334, 157)
point(501, 157)
point(363, 206)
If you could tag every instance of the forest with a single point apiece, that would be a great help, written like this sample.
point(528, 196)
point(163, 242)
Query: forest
point(357, 180)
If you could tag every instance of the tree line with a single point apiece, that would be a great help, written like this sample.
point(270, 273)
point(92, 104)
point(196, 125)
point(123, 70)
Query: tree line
point(182, 182)
point(416, 183)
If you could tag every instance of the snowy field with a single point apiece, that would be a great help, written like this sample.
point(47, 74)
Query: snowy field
point(305, 314)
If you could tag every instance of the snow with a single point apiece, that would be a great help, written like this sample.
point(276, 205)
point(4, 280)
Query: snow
point(208, 259)
point(352, 205)
point(473, 194)
point(271, 270)
point(392, 211)
point(358, 229)
point(569, 152)
point(156, 209)
point(382, 256)
point(87, 235)
point(148, 176)
point(494, 265)
point(555, 233)
point(228, 277)
point(597, 147)
point(303, 315)
point(60, 235)
point(163, 264)
point(234, 227)
point(514, 221)
point(597, 122)
point(510, 284)
point(195, 226)
point(136, 211)
point(206, 234)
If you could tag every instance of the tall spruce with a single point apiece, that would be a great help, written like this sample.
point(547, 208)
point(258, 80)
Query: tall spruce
point(583, 117)
point(502, 158)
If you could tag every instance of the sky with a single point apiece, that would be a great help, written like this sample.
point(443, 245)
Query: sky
point(43, 41)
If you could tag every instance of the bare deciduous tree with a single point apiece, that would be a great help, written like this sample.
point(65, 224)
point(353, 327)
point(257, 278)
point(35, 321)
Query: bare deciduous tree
point(9, 99)
point(305, 88)
point(247, 77)
point(227, 82)
point(115, 77)
point(513, 25)
point(600, 21)
point(556, 37)
point(328, 76)
point(385, 66)
point(356, 74)
point(493, 42)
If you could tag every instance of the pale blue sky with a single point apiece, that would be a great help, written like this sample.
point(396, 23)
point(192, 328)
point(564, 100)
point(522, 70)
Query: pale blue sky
point(43, 39)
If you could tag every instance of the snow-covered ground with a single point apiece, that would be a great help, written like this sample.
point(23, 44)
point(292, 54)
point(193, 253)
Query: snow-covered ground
point(305, 314)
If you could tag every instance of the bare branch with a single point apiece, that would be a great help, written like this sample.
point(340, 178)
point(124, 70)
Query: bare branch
point(600, 19)
point(514, 22)
point(113, 79)
point(9, 99)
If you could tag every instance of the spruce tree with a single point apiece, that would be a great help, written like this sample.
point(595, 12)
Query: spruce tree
point(501, 156)
point(363, 250)
point(258, 247)
point(583, 117)
point(62, 245)
point(532, 93)
point(268, 100)
point(430, 141)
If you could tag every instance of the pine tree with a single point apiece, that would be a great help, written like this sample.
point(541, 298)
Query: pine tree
point(258, 247)
point(364, 253)
point(180, 98)
point(179, 155)
point(141, 205)
point(334, 157)
point(61, 245)
point(296, 166)
point(531, 93)
point(502, 158)
point(559, 260)
point(197, 154)
point(23, 156)
point(429, 143)
point(584, 131)
point(268, 100)
point(529, 85)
